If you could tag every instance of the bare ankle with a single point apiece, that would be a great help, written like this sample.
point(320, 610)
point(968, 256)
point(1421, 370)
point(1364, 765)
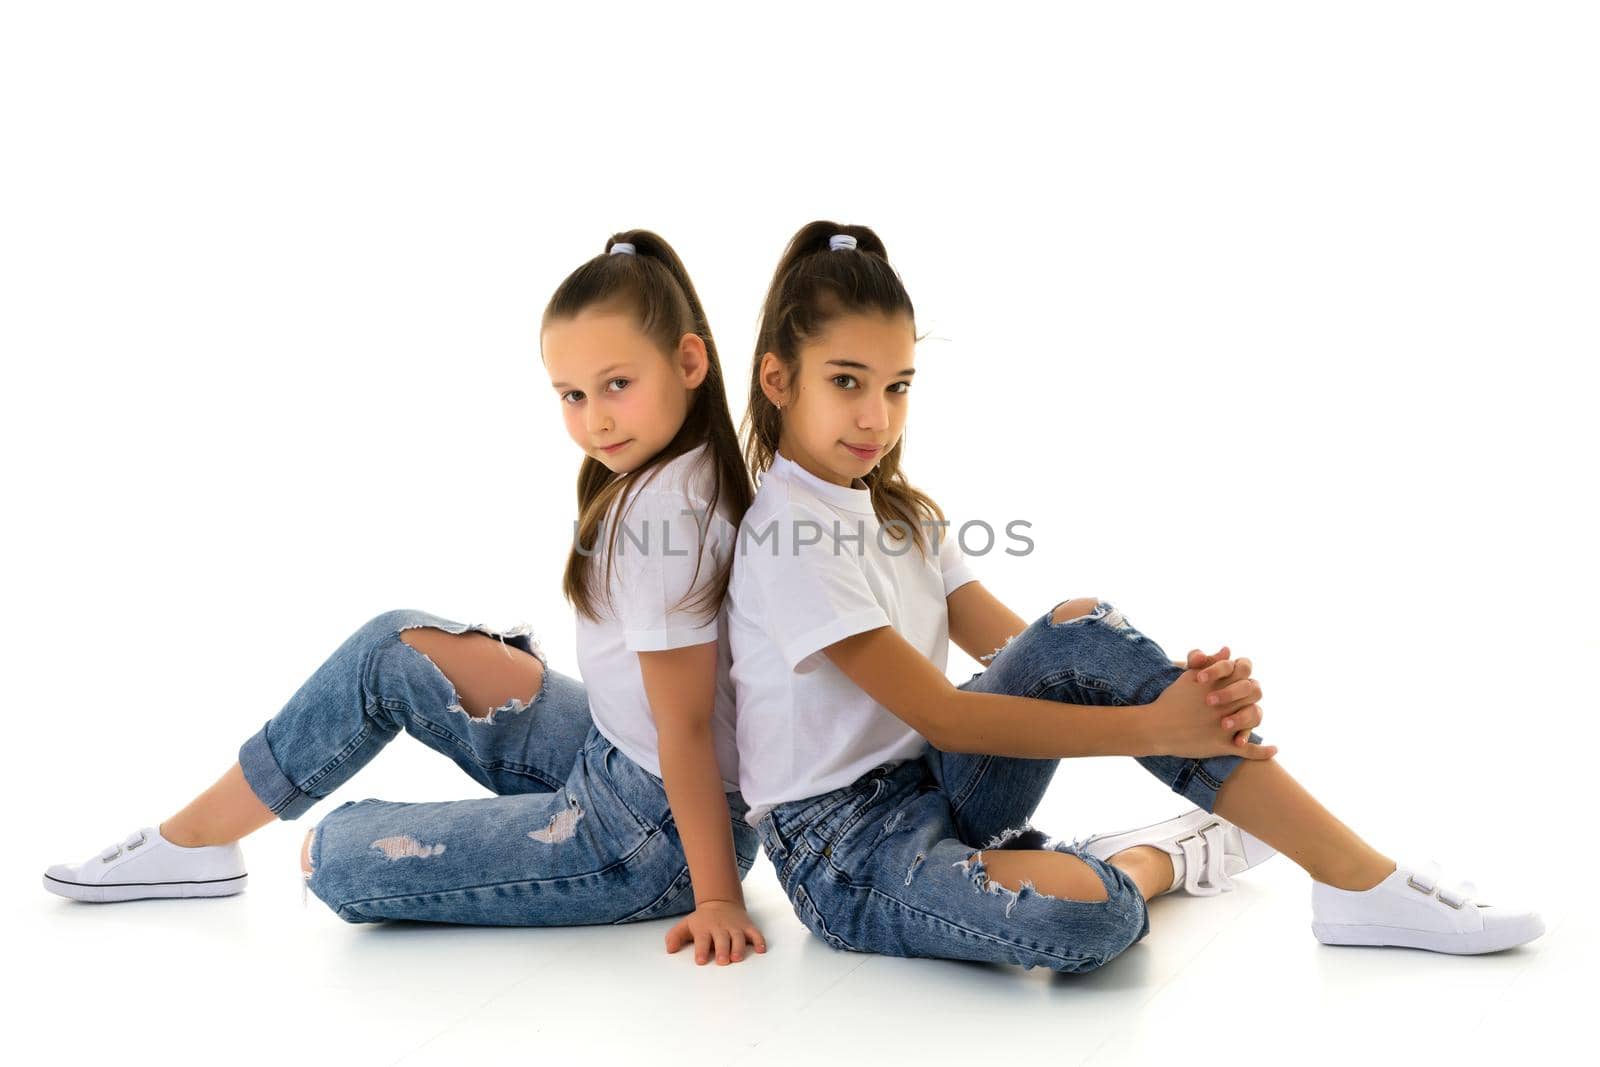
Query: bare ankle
point(177, 835)
point(1150, 868)
point(1360, 877)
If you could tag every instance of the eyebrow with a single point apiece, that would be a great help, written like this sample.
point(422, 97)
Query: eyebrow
point(854, 365)
point(602, 375)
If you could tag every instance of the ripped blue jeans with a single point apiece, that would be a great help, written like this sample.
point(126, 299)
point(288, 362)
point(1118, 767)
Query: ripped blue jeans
point(576, 834)
point(889, 863)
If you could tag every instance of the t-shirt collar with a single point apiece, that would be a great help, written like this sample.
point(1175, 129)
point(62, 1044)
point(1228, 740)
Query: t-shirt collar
point(859, 500)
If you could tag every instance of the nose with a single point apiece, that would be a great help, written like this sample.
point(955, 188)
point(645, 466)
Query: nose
point(873, 414)
point(596, 420)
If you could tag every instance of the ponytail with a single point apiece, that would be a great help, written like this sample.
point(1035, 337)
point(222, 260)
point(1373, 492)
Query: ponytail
point(817, 281)
point(653, 285)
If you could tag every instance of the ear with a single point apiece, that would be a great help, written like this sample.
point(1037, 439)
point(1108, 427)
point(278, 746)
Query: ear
point(774, 377)
point(693, 361)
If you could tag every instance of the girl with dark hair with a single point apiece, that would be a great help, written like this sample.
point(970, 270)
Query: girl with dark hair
point(617, 796)
point(895, 805)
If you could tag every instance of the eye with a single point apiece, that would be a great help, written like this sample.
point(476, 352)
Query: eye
point(566, 397)
point(837, 379)
point(900, 387)
point(614, 381)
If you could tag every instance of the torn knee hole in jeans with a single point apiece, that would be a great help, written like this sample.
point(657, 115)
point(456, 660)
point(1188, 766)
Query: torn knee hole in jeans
point(1100, 609)
point(513, 706)
point(974, 868)
point(1025, 838)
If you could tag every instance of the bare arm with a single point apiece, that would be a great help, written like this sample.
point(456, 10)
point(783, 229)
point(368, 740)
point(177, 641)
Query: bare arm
point(903, 680)
point(681, 685)
point(979, 623)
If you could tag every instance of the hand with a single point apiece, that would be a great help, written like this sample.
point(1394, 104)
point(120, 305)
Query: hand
point(716, 925)
point(1234, 685)
point(1199, 661)
point(1208, 712)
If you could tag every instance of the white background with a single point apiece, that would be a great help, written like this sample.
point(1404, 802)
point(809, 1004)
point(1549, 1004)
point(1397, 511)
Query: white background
point(1277, 321)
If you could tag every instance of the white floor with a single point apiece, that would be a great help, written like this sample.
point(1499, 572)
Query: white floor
point(263, 978)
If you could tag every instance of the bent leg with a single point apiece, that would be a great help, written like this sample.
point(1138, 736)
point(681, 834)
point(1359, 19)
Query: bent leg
point(891, 878)
point(488, 674)
point(500, 713)
point(1084, 651)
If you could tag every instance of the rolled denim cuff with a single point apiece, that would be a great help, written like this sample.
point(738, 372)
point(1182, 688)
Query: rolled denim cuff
point(267, 780)
point(1202, 779)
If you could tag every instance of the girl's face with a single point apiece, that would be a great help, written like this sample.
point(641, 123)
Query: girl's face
point(846, 404)
point(622, 400)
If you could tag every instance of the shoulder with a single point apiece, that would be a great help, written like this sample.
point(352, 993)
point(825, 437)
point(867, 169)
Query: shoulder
point(780, 503)
point(683, 483)
point(692, 474)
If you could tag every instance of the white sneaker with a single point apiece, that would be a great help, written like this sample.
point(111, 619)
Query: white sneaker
point(146, 864)
point(1412, 908)
point(1206, 850)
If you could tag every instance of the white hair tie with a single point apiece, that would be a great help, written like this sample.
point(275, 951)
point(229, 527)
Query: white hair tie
point(841, 241)
point(622, 248)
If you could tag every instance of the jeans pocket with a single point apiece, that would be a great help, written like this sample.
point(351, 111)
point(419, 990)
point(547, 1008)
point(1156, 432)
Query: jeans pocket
point(829, 829)
point(634, 789)
point(676, 899)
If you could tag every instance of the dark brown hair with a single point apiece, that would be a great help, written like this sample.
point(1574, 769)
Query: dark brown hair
point(812, 287)
point(653, 285)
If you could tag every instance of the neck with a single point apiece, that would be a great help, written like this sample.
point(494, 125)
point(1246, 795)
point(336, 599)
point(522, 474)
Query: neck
point(809, 464)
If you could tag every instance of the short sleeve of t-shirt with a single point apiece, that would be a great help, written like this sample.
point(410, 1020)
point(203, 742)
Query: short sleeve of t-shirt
point(654, 582)
point(953, 565)
point(812, 585)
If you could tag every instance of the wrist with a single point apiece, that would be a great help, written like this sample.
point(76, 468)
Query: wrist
point(1141, 733)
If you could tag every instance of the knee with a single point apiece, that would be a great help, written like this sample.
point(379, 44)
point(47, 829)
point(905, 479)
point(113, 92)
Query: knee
point(388, 623)
point(1074, 609)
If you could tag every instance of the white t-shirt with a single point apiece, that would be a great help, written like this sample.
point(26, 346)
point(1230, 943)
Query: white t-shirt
point(653, 586)
point(804, 727)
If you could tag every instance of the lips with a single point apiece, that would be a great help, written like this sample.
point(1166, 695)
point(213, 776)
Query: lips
point(863, 452)
point(609, 449)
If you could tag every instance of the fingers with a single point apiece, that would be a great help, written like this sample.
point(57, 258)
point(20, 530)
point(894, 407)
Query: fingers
point(720, 939)
point(702, 947)
point(1225, 668)
point(678, 936)
point(756, 939)
point(1250, 751)
point(1245, 692)
point(736, 947)
point(1245, 719)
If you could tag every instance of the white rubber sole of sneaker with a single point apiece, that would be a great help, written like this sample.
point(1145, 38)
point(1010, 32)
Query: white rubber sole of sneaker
point(1463, 944)
point(113, 892)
